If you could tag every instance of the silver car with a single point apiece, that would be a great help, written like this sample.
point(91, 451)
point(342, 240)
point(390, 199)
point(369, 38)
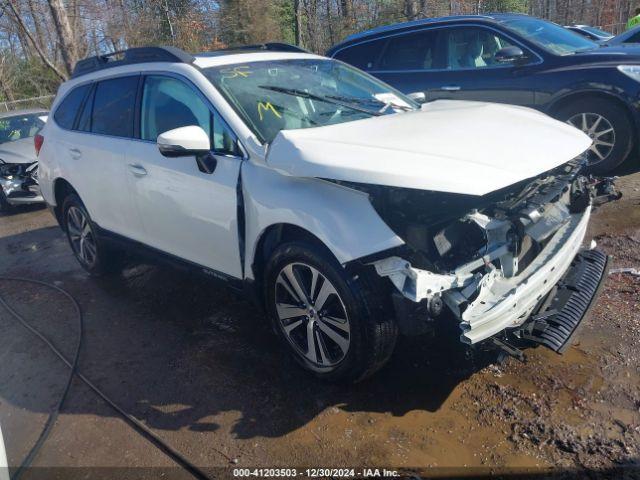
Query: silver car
point(18, 160)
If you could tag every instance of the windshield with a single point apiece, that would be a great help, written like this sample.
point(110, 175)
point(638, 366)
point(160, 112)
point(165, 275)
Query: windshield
point(290, 94)
point(20, 126)
point(550, 36)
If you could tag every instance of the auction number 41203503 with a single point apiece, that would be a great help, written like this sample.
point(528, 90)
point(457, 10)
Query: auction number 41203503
point(315, 472)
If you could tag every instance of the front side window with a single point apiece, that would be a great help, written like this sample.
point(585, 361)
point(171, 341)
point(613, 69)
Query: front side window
point(114, 106)
point(414, 51)
point(551, 37)
point(169, 103)
point(223, 140)
point(20, 126)
point(271, 96)
point(635, 38)
point(66, 113)
point(472, 47)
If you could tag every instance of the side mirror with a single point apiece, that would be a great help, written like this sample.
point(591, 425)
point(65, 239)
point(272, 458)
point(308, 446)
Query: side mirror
point(184, 142)
point(419, 97)
point(510, 54)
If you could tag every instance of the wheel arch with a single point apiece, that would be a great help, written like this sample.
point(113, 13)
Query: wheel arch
point(61, 190)
point(274, 236)
point(585, 95)
point(278, 207)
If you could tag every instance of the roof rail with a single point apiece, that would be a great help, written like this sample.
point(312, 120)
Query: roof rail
point(272, 47)
point(129, 57)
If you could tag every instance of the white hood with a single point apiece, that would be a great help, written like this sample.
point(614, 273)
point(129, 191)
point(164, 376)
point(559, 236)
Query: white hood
point(449, 146)
point(18, 151)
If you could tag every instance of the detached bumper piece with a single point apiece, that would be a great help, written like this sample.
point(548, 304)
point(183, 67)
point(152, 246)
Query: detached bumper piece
point(569, 302)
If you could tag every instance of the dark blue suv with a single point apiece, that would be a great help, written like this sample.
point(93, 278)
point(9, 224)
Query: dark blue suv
point(516, 59)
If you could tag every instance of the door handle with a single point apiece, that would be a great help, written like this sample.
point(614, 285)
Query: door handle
point(137, 170)
point(451, 88)
point(75, 153)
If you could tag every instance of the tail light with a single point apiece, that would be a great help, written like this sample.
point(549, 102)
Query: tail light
point(38, 140)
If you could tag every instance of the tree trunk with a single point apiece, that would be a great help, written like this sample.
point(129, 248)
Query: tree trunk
point(65, 34)
point(297, 28)
point(411, 9)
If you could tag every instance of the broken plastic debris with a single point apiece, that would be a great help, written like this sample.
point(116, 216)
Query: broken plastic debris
point(631, 271)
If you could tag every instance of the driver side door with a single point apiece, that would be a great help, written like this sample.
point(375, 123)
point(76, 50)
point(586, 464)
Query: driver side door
point(186, 211)
point(471, 71)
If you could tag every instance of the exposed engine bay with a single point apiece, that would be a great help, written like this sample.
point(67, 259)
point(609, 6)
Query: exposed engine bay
point(19, 183)
point(490, 259)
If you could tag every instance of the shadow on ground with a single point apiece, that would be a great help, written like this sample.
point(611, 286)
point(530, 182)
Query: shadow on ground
point(177, 350)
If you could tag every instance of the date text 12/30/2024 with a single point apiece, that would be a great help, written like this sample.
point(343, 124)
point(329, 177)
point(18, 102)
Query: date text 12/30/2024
point(315, 472)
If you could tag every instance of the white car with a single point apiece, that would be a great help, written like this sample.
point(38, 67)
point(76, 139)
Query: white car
point(18, 161)
point(352, 213)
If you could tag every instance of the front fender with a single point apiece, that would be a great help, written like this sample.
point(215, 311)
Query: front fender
point(342, 218)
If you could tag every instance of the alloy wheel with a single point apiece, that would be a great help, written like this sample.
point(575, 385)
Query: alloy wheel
point(312, 315)
point(81, 236)
point(601, 132)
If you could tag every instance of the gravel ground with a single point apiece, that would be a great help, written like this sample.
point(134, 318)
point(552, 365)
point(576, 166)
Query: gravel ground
point(200, 368)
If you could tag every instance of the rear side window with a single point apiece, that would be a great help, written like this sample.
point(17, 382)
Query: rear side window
point(413, 51)
point(362, 56)
point(84, 122)
point(68, 110)
point(113, 107)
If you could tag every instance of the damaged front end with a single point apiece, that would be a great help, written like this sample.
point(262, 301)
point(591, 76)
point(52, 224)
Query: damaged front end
point(498, 262)
point(19, 183)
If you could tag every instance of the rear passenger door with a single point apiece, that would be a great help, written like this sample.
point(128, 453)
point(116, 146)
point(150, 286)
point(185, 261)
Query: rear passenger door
point(96, 148)
point(410, 63)
point(186, 211)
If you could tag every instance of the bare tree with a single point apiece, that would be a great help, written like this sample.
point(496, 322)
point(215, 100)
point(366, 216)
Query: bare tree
point(43, 56)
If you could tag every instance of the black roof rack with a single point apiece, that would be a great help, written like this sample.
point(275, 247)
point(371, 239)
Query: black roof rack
point(131, 56)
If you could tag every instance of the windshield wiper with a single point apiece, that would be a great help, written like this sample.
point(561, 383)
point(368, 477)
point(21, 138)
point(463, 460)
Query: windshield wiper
point(371, 101)
point(335, 100)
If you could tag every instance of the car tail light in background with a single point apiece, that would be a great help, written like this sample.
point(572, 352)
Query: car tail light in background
point(38, 140)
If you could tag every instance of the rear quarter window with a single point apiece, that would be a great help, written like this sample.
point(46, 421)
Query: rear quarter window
point(362, 56)
point(114, 105)
point(67, 111)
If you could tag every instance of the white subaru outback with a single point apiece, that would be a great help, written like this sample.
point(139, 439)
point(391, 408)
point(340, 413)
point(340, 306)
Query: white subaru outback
point(353, 213)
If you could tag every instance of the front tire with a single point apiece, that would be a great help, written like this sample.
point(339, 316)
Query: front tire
point(90, 252)
point(333, 324)
point(608, 125)
point(4, 204)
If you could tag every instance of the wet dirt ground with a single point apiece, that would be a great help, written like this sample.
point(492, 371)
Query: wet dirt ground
point(200, 367)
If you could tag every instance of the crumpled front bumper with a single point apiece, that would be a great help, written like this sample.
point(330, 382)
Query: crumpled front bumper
point(499, 302)
point(17, 194)
point(508, 302)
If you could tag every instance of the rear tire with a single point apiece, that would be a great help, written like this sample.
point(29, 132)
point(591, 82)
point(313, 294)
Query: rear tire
point(92, 255)
point(608, 125)
point(308, 293)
